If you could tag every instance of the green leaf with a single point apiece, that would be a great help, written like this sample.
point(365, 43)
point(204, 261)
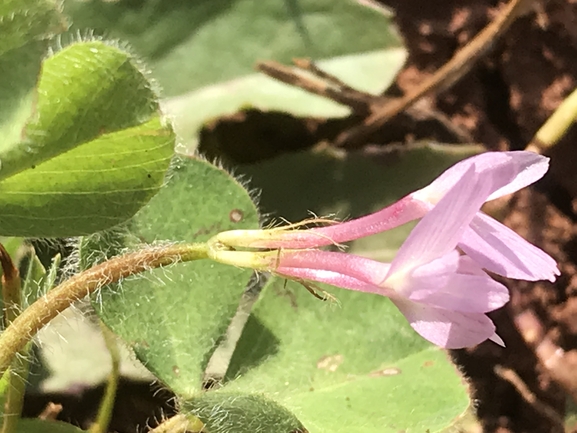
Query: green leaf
point(355, 367)
point(369, 72)
point(4, 386)
point(87, 90)
point(22, 21)
point(38, 281)
point(241, 413)
point(32, 284)
point(173, 317)
point(326, 182)
point(40, 426)
point(25, 26)
point(192, 44)
point(95, 152)
point(93, 187)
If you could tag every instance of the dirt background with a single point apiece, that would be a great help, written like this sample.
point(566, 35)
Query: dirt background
point(501, 103)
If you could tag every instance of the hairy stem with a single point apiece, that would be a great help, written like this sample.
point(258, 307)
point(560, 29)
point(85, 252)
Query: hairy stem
point(46, 308)
point(18, 373)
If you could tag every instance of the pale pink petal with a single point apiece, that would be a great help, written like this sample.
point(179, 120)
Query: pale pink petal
point(527, 167)
point(401, 212)
point(439, 284)
point(530, 167)
point(467, 265)
point(499, 249)
point(441, 229)
point(496, 339)
point(360, 268)
point(333, 278)
point(445, 328)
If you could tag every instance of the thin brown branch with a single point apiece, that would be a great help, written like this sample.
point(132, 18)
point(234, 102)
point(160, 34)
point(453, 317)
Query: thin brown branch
point(543, 408)
point(310, 66)
point(559, 364)
point(441, 80)
point(11, 287)
point(50, 412)
point(318, 82)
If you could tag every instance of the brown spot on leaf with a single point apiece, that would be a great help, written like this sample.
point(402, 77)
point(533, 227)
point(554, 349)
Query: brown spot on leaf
point(236, 215)
point(330, 362)
point(428, 363)
point(176, 370)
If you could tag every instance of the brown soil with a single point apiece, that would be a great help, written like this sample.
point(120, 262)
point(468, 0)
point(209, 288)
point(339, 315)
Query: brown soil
point(502, 102)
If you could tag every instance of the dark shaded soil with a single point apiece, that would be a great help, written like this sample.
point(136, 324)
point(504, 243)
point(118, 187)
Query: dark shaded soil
point(502, 102)
point(139, 406)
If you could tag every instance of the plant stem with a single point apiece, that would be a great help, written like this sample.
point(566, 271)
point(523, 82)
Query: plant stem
point(17, 378)
point(46, 308)
point(556, 125)
point(18, 373)
point(107, 404)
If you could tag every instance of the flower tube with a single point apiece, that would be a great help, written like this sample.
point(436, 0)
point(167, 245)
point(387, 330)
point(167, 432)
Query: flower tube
point(492, 245)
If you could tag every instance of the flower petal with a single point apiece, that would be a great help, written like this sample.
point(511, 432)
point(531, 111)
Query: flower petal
point(499, 249)
point(439, 284)
point(401, 212)
point(448, 329)
point(360, 268)
point(441, 229)
point(526, 168)
point(333, 278)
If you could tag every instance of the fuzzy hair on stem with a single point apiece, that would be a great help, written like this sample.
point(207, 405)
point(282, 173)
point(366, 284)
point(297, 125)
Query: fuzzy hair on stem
point(46, 308)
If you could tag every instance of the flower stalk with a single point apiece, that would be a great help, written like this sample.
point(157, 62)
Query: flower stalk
point(26, 325)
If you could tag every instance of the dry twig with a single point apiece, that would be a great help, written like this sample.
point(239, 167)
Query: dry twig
point(560, 365)
point(543, 408)
point(309, 77)
point(444, 78)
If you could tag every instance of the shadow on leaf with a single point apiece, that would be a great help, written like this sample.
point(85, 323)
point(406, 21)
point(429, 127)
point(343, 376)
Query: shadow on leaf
point(255, 345)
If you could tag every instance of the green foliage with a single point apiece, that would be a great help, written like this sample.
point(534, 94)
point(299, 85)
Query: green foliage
point(23, 21)
point(84, 148)
point(355, 366)
point(25, 26)
point(37, 426)
point(94, 152)
point(174, 316)
point(370, 72)
point(348, 186)
point(38, 281)
point(241, 413)
point(194, 43)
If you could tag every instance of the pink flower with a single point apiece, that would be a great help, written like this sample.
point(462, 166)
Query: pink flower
point(443, 294)
point(492, 245)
